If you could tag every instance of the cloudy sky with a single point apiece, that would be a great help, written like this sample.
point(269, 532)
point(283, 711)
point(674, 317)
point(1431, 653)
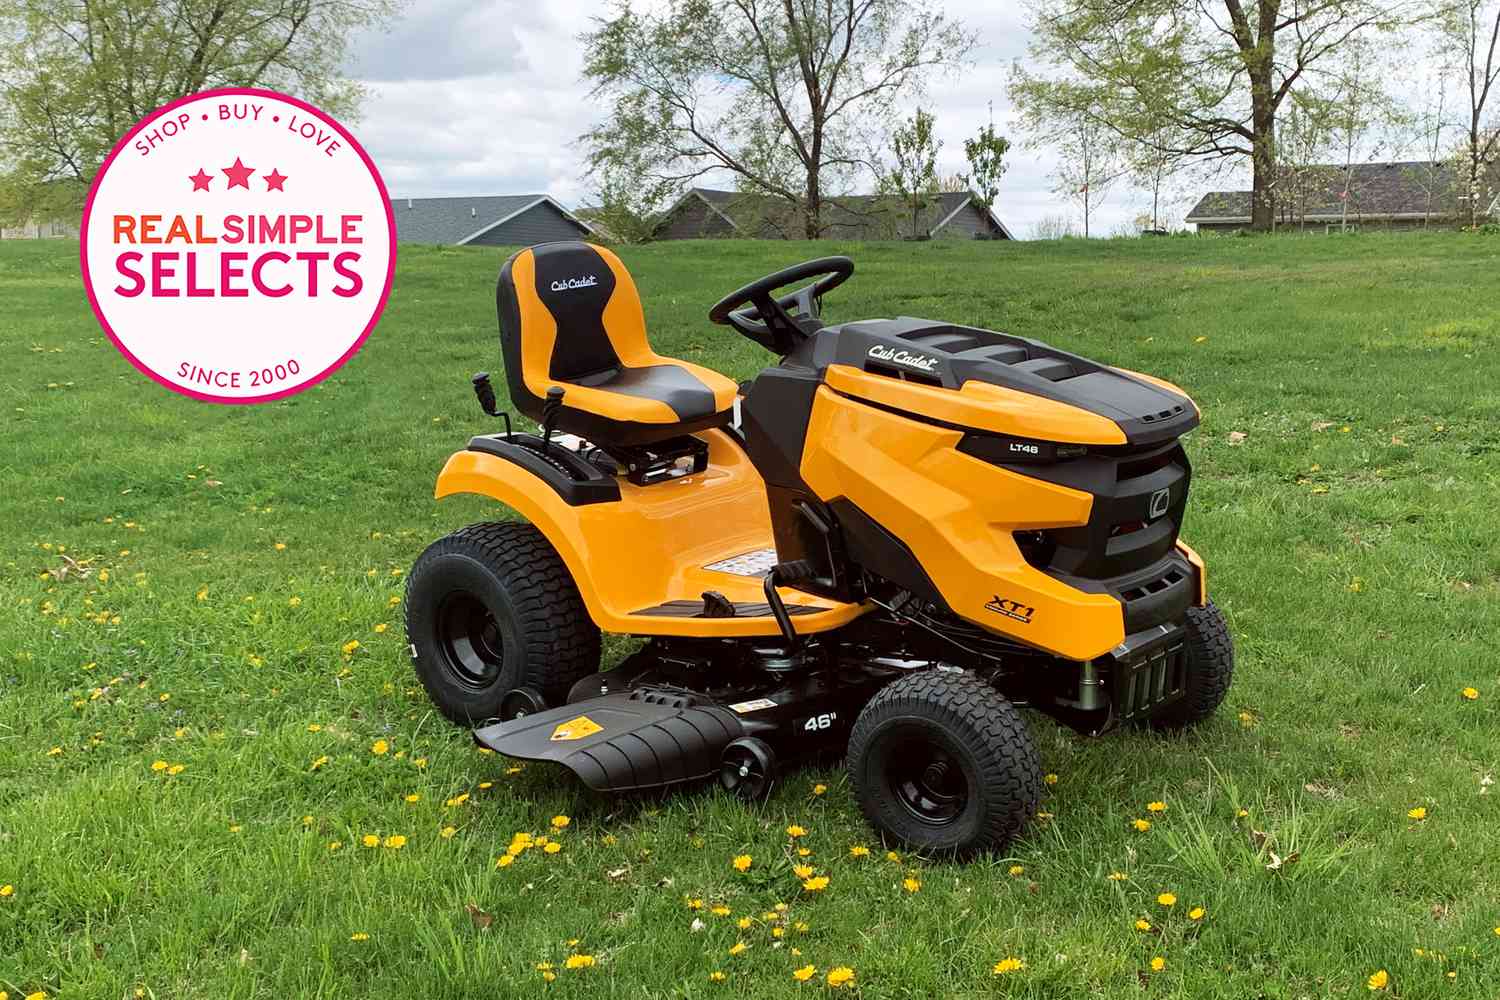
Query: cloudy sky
point(485, 97)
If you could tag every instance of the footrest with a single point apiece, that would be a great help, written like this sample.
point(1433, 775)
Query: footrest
point(643, 738)
point(742, 609)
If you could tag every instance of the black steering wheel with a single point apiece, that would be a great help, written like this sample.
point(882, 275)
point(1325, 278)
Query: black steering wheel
point(772, 321)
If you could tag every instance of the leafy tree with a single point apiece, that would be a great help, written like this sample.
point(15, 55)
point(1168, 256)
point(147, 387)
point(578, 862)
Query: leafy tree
point(75, 74)
point(985, 152)
point(1207, 77)
point(913, 178)
point(1469, 34)
point(784, 95)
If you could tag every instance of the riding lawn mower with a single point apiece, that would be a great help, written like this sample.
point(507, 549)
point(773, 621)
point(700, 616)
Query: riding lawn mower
point(888, 542)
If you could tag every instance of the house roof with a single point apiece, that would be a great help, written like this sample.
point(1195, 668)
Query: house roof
point(1409, 188)
point(455, 221)
point(845, 216)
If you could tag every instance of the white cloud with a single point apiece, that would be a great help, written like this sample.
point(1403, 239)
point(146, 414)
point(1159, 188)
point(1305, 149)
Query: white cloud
point(487, 98)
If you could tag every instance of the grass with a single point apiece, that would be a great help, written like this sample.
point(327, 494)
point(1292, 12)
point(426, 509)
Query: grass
point(234, 551)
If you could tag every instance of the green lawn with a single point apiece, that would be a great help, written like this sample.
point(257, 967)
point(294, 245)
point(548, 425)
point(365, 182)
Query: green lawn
point(233, 552)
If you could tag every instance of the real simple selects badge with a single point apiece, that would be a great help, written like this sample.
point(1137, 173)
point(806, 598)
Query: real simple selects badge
point(238, 245)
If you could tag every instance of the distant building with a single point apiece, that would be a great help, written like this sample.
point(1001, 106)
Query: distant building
point(492, 221)
point(1408, 195)
point(706, 213)
point(41, 230)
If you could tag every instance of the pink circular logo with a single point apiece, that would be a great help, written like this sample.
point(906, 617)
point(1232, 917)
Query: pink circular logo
point(238, 245)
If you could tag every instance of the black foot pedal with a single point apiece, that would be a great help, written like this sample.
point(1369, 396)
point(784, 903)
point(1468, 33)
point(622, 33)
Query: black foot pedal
point(716, 605)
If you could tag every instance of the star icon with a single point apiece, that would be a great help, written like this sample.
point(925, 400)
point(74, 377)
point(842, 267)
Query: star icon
point(274, 180)
point(200, 180)
point(239, 174)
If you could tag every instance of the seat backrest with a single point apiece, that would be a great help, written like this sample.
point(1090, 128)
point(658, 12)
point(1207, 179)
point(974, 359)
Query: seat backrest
point(567, 311)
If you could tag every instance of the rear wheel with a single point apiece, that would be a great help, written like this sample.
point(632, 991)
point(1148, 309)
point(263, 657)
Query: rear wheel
point(489, 609)
point(943, 762)
point(1210, 668)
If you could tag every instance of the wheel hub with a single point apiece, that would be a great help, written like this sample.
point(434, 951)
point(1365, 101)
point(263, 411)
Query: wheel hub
point(469, 639)
point(927, 781)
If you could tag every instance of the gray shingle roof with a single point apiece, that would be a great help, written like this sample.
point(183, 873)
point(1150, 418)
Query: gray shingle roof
point(853, 216)
point(451, 220)
point(1376, 190)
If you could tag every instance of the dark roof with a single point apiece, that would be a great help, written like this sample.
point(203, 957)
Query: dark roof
point(1378, 190)
point(452, 221)
point(850, 216)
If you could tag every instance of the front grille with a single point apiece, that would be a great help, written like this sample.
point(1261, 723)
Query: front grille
point(1144, 685)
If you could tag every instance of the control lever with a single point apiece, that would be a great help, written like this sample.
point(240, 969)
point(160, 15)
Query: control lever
point(786, 573)
point(485, 393)
point(549, 415)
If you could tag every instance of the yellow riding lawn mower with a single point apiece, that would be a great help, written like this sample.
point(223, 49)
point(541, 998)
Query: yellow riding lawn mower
point(888, 541)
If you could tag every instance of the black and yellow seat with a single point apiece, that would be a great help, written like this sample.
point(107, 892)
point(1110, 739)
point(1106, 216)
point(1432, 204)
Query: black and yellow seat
point(570, 316)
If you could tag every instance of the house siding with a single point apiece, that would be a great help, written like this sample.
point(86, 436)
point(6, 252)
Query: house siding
point(968, 223)
point(695, 220)
point(539, 224)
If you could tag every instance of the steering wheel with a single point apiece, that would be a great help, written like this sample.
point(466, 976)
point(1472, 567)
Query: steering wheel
point(769, 320)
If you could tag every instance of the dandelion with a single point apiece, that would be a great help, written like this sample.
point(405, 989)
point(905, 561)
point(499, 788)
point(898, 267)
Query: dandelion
point(281, 546)
point(839, 977)
point(1143, 925)
point(414, 797)
point(1242, 814)
point(820, 883)
point(1167, 899)
point(716, 976)
point(1247, 720)
point(176, 769)
point(318, 762)
point(805, 973)
point(794, 831)
point(7, 890)
point(359, 936)
point(379, 747)
point(235, 828)
point(1378, 980)
point(559, 822)
point(578, 961)
point(802, 871)
point(349, 647)
point(1050, 779)
point(1015, 871)
point(294, 601)
point(819, 788)
point(1419, 813)
point(778, 932)
point(380, 629)
point(159, 765)
point(1156, 807)
point(1118, 877)
point(1006, 965)
point(1158, 963)
point(742, 862)
point(744, 923)
point(395, 842)
point(720, 911)
point(1141, 825)
point(1471, 694)
point(1196, 913)
point(859, 851)
point(457, 800)
point(892, 856)
point(334, 845)
point(738, 947)
point(447, 832)
point(370, 840)
point(911, 884)
point(800, 927)
point(505, 860)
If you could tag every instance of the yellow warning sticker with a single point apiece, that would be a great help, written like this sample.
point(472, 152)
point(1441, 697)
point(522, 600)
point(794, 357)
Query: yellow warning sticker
point(575, 729)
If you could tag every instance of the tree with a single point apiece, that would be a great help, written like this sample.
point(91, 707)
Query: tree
point(1210, 76)
point(913, 176)
point(784, 95)
point(986, 155)
point(1358, 106)
point(1469, 32)
point(76, 74)
point(1151, 164)
point(1088, 156)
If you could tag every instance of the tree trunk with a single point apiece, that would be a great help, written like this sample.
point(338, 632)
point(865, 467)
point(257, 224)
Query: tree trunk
point(1263, 158)
point(812, 213)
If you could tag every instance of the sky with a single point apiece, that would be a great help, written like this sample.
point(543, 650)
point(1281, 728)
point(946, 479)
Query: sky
point(486, 97)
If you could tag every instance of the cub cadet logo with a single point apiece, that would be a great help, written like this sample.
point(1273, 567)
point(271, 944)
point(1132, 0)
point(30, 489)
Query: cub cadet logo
point(568, 284)
point(919, 361)
point(575, 729)
point(1011, 609)
point(1161, 501)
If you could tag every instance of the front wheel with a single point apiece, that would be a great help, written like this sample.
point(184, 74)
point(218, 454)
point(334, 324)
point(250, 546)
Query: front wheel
point(1210, 668)
point(489, 609)
point(943, 762)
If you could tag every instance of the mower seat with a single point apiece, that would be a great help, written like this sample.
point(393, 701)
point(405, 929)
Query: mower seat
point(570, 317)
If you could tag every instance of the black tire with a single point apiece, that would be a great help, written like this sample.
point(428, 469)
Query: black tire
point(491, 608)
point(1210, 668)
point(943, 762)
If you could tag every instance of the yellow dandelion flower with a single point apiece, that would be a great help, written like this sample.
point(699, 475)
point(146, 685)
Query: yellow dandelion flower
point(349, 647)
point(1118, 877)
point(7, 890)
point(294, 601)
point(334, 845)
point(318, 762)
point(549, 975)
point(1142, 925)
point(578, 961)
point(414, 797)
point(817, 884)
point(370, 840)
point(281, 546)
point(804, 852)
point(1015, 871)
point(1167, 899)
point(1420, 812)
point(819, 788)
point(796, 831)
point(447, 832)
point(314, 727)
point(802, 871)
point(504, 860)
point(379, 747)
point(559, 822)
point(1242, 814)
point(1141, 825)
point(743, 862)
point(839, 977)
point(1006, 965)
point(720, 911)
point(738, 947)
point(380, 629)
point(778, 932)
point(235, 828)
point(176, 769)
point(1472, 694)
point(1156, 807)
point(1158, 963)
point(911, 885)
point(421, 762)
point(892, 856)
point(395, 842)
point(359, 936)
point(1050, 779)
point(1378, 980)
point(159, 765)
point(805, 973)
point(744, 923)
point(801, 928)
point(859, 851)
point(716, 976)
point(1196, 913)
